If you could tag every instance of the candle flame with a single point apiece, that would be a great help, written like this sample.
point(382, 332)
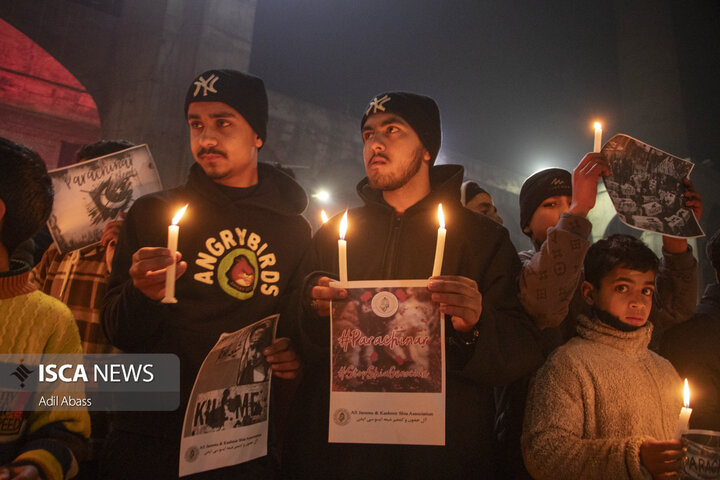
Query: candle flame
point(179, 214)
point(324, 216)
point(598, 126)
point(686, 394)
point(441, 217)
point(343, 226)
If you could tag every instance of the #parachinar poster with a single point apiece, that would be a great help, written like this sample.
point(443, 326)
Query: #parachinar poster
point(646, 188)
point(226, 421)
point(90, 194)
point(387, 365)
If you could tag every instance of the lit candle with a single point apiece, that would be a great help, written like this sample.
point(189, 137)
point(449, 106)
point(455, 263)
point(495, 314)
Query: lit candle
point(684, 421)
point(323, 216)
point(173, 231)
point(598, 137)
point(342, 249)
point(440, 246)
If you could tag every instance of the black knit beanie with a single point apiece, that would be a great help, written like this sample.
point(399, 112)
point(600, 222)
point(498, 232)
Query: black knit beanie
point(540, 186)
point(243, 92)
point(419, 111)
point(470, 190)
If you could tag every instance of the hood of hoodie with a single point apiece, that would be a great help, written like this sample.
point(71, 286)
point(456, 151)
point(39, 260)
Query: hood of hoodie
point(445, 183)
point(275, 191)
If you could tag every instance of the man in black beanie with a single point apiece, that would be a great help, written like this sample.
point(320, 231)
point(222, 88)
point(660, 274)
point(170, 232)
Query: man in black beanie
point(488, 339)
point(477, 199)
point(240, 212)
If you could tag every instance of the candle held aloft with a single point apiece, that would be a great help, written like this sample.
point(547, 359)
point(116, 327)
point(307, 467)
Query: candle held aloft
point(597, 146)
point(173, 232)
point(440, 245)
point(342, 249)
point(683, 424)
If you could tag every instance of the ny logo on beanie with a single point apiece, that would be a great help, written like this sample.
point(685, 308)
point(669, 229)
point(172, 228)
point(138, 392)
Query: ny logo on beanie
point(207, 85)
point(377, 104)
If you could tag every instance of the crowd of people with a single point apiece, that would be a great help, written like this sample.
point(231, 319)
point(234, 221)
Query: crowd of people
point(561, 361)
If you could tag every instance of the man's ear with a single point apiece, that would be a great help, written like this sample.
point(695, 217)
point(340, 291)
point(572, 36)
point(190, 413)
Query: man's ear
point(426, 155)
point(527, 230)
point(2, 209)
point(588, 292)
point(258, 141)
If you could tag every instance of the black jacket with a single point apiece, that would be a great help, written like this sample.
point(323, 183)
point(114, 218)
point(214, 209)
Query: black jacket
point(384, 245)
point(693, 348)
point(258, 231)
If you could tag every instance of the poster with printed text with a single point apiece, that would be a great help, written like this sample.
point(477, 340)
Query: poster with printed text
point(226, 421)
point(387, 365)
point(646, 188)
point(91, 194)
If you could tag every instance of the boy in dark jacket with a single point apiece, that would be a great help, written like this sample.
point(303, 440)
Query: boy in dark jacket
point(694, 349)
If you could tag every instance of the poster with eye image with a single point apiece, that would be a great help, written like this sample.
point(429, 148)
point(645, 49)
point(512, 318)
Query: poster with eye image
point(226, 421)
point(387, 365)
point(646, 188)
point(90, 194)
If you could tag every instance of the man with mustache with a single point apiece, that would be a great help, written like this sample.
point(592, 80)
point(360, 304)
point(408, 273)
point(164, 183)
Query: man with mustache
point(489, 340)
point(236, 207)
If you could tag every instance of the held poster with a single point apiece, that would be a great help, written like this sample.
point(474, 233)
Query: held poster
point(646, 188)
point(226, 421)
point(89, 195)
point(387, 365)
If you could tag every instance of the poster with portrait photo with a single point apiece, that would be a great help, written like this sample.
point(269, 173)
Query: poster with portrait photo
point(226, 421)
point(646, 188)
point(90, 194)
point(387, 365)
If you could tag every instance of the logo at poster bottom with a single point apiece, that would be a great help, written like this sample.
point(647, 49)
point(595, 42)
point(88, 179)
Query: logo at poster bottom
point(341, 416)
point(192, 454)
point(384, 304)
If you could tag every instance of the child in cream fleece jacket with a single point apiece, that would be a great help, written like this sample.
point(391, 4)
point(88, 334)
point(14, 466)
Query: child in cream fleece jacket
point(603, 405)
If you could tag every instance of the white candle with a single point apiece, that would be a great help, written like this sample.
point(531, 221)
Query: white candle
point(173, 231)
point(597, 146)
point(684, 421)
point(323, 216)
point(440, 246)
point(342, 249)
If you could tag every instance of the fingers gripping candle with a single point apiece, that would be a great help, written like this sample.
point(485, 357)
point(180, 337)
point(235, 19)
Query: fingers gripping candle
point(173, 231)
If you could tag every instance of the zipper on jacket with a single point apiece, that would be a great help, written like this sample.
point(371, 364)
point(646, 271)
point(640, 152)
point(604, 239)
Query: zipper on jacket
point(392, 244)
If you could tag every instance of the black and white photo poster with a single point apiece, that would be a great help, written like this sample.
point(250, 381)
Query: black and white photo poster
point(226, 421)
point(646, 188)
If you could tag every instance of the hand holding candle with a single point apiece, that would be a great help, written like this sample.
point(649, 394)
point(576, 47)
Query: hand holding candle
point(342, 249)
point(683, 424)
point(173, 231)
point(440, 246)
point(597, 146)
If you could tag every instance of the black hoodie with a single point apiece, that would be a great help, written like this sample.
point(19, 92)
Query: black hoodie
point(384, 245)
point(242, 246)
